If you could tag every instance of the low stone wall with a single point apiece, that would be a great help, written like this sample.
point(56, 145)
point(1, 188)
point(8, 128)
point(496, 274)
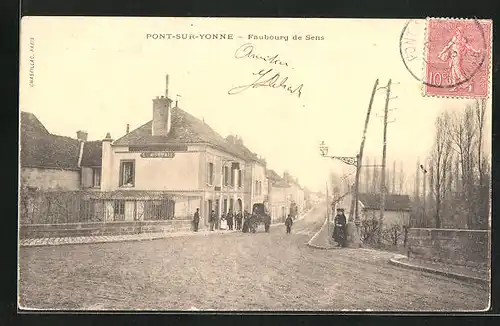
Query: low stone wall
point(455, 246)
point(102, 228)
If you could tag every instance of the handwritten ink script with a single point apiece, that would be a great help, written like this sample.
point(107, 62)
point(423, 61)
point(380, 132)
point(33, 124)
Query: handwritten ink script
point(267, 77)
point(271, 79)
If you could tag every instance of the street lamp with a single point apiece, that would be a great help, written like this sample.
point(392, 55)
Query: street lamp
point(349, 160)
point(323, 148)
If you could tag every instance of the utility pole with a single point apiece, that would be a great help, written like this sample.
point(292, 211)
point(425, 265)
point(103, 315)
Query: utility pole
point(359, 158)
point(384, 153)
point(327, 215)
point(424, 172)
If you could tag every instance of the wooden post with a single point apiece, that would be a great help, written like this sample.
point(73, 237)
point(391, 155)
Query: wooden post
point(327, 214)
point(383, 188)
point(359, 157)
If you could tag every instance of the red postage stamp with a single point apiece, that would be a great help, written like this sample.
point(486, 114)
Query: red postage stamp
point(458, 54)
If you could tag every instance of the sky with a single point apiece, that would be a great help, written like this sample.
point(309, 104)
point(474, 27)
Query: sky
point(100, 74)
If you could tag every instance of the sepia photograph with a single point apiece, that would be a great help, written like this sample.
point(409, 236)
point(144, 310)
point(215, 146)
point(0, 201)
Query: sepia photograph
point(254, 164)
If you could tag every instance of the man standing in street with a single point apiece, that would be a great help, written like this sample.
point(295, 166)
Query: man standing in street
point(288, 224)
point(196, 220)
point(229, 219)
point(212, 220)
point(238, 221)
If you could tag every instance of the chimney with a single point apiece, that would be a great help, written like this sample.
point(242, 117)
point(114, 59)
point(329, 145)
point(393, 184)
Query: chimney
point(106, 163)
point(81, 135)
point(128, 128)
point(162, 114)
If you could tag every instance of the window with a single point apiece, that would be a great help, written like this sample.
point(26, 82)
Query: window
point(210, 174)
point(256, 187)
point(127, 173)
point(226, 175)
point(232, 175)
point(119, 210)
point(96, 178)
point(239, 178)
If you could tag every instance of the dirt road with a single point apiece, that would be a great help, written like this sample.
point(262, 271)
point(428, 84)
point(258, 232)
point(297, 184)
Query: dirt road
point(234, 271)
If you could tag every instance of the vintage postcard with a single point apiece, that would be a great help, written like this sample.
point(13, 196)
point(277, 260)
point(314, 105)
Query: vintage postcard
point(230, 164)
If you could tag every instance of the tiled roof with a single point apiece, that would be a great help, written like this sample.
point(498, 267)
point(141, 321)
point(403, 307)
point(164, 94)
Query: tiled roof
point(92, 153)
point(185, 129)
point(30, 123)
point(392, 202)
point(272, 175)
point(39, 148)
point(237, 145)
point(281, 184)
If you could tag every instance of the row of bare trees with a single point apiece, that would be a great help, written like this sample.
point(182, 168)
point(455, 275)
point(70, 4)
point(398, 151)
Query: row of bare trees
point(457, 172)
point(395, 178)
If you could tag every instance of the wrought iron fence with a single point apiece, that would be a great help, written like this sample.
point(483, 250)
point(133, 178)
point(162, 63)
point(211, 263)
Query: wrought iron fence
point(58, 207)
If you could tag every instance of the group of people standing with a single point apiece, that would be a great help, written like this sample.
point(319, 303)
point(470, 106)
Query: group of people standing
point(229, 221)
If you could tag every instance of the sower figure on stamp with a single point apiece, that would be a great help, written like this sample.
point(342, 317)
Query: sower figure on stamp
point(339, 231)
point(288, 224)
point(196, 220)
point(454, 52)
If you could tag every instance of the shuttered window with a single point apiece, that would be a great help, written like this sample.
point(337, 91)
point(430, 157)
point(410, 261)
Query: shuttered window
point(210, 173)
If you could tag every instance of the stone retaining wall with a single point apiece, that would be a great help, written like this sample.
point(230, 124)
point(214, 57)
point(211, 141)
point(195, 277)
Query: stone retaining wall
point(102, 228)
point(455, 246)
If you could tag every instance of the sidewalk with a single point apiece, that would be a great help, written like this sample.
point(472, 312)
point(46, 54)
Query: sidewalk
point(454, 271)
point(37, 242)
point(321, 241)
point(115, 238)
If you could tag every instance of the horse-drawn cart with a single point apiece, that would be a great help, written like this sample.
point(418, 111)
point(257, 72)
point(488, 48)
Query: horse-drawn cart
point(259, 216)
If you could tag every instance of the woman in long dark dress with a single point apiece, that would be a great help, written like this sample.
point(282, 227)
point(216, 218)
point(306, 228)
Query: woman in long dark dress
point(339, 231)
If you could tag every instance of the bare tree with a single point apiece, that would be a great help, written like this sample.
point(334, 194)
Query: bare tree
point(366, 172)
point(439, 161)
point(393, 175)
point(401, 187)
point(375, 178)
point(482, 166)
point(462, 132)
point(417, 180)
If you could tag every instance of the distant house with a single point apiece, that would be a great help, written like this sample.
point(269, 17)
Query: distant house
point(397, 208)
point(296, 193)
point(256, 187)
point(279, 204)
point(50, 162)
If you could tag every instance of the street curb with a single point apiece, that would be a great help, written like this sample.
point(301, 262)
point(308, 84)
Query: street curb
point(461, 277)
point(158, 237)
point(309, 243)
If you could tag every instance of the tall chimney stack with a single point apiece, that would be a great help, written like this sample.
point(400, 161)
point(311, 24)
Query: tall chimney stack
point(162, 116)
point(81, 135)
point(128, 128)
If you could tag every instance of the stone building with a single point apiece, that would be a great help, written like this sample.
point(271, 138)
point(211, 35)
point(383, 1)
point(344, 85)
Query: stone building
point(53, 162)
point(174, 164)
point(396, 211)
point(279, 204)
